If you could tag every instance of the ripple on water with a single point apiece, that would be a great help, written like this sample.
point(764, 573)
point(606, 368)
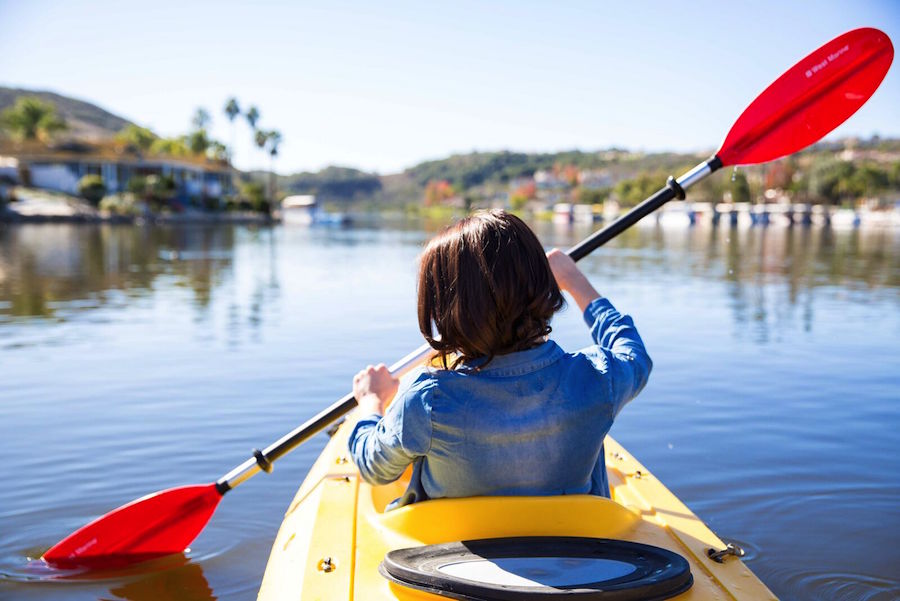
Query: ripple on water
point(835, 586)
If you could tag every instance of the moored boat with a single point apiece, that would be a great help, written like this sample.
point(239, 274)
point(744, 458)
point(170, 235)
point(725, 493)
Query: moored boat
point(336, 534)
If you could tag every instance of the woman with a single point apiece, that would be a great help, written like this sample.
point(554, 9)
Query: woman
point(508, 412)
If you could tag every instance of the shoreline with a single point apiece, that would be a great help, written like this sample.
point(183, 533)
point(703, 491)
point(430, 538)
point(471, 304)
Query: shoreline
point(13, 218)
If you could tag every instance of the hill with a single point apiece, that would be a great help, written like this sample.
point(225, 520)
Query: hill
point(478, 173)
point(829, 170)
point(85, 120)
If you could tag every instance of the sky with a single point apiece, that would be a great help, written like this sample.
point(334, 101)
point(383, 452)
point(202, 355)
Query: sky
point(381, 86)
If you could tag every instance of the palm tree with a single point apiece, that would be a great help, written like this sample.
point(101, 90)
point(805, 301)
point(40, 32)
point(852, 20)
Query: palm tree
point(261, 138)
point(232, 110)
point(31, 118)
point(252, 116)
point(274, 140)
point(201, 119)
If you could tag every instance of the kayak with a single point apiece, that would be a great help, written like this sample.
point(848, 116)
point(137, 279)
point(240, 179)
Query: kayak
point(337, 541)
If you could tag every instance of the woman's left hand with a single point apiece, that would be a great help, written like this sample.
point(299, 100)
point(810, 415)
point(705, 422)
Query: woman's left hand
point(374, 388)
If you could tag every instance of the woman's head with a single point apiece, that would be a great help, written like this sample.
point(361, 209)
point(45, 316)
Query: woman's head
point(486, 288)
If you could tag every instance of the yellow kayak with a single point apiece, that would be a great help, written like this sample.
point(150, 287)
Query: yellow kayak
point(336, 535)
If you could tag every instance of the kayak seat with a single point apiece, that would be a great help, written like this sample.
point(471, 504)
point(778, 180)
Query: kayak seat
point(448, 520)
point(485, 548)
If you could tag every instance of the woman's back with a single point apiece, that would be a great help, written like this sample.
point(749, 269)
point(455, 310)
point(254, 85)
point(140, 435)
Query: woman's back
point(528, 423)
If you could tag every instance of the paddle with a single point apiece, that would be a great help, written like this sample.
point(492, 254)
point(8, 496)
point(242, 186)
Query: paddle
point(807, 102)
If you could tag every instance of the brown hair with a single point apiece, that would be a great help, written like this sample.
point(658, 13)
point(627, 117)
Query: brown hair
point(485, 285)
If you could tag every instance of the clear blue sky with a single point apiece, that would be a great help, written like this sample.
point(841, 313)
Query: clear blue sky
point(383, 85)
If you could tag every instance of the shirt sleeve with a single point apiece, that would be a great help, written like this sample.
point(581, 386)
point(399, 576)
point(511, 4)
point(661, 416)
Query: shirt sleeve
point(383, 446)
point(620, 352)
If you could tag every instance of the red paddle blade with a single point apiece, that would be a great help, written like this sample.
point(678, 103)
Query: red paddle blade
point(158, 524)
point(810, 99)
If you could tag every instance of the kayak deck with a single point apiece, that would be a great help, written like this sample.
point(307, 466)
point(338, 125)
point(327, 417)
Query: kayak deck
point(336, 532)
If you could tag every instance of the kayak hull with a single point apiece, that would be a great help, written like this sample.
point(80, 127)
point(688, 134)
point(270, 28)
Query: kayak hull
point(336, 532)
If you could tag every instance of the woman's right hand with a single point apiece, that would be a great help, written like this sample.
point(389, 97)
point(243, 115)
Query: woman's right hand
point(570, 279)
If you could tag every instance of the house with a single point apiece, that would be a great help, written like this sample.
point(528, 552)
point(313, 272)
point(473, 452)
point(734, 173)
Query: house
point(595, 180)
point(547, 180)
point(59, 167)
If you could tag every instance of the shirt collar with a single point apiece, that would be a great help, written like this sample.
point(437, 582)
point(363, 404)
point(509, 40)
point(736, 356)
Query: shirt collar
point(519, 363)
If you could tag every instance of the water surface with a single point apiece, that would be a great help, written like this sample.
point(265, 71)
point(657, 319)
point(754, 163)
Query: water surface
point(134, 359)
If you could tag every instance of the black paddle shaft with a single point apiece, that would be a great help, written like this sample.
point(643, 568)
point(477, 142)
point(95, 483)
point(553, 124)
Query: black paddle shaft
point(673, 189)
point(262, 460)
point(312, 427)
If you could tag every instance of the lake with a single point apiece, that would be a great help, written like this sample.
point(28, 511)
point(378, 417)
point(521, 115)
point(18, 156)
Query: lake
point(134, 359)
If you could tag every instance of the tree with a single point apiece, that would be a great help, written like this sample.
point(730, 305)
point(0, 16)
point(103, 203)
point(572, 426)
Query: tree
point(632, 191)
point(254, 193)
point(139, 138)
point(198, 142)
point(92, 189)
point(175, 147)
point(201, 119)
point(273, 139)
point(261, 138)
point(158, 191)
point(232, 110)
point(867, 180)
point(521, 195)
point(828, 180)
point(333, 183)
point(437, 192)
point(740, 188)
point(31, 118)
point(217, 151)
point(252, 117)
point(592, 196)
point(570, 174)
point(780, 174)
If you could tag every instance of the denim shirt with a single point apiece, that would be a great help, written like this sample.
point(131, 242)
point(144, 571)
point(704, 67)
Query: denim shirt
point(529, 423)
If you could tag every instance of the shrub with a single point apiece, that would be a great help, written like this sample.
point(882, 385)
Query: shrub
point(212, 203)
point(157, 190)
point(255, 194)
point(589, 196)
point(91, 188)
point(137, 185)
point(122, 204)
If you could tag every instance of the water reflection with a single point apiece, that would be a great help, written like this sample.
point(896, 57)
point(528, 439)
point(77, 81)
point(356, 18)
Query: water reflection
point(186, 583)
point(52, 271)
point(45, 267)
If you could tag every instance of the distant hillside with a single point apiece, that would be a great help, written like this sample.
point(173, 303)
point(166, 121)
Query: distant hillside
point(480, 172)
point(485, 175)
point(333, 184)
point(85, 120)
